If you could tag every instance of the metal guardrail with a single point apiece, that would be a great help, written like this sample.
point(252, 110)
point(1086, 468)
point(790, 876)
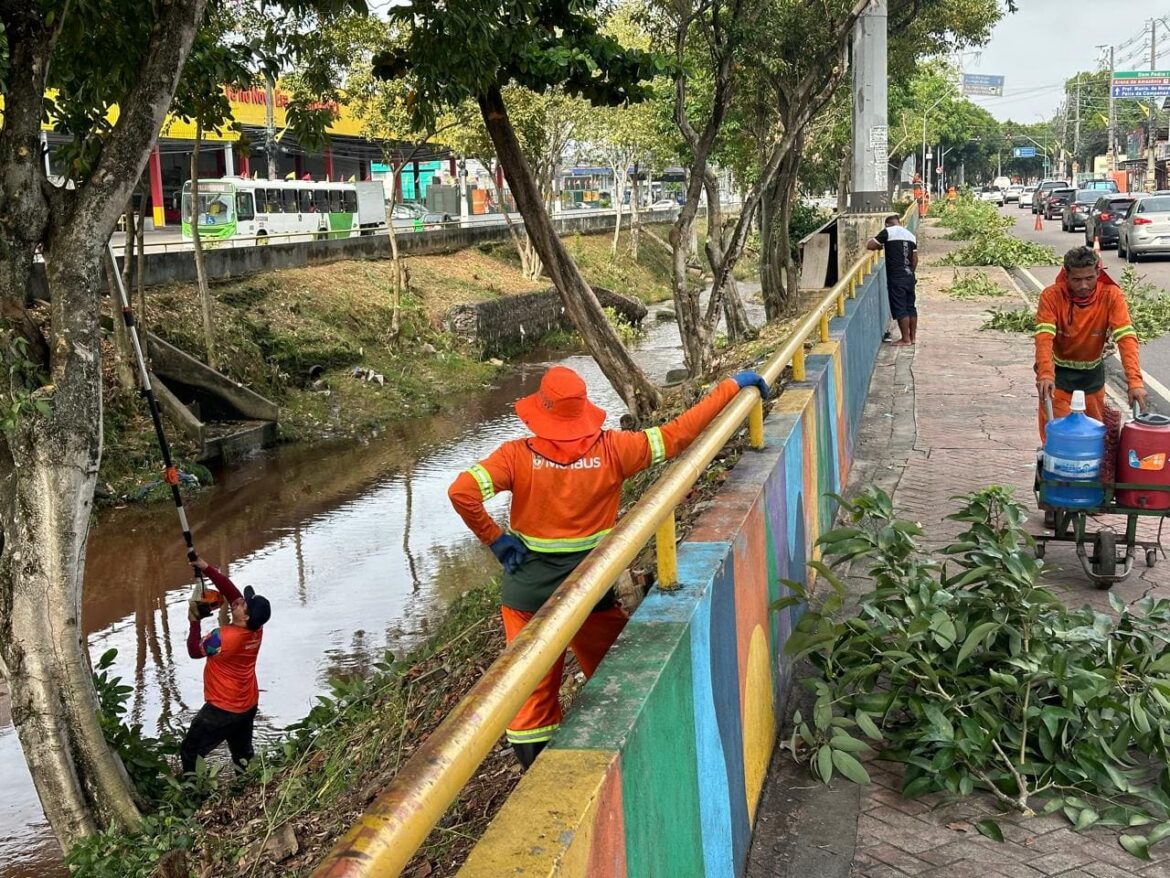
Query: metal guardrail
point(385, 838)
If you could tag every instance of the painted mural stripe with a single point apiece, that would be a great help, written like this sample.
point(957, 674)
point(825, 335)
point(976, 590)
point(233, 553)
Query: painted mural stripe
point(555, 840)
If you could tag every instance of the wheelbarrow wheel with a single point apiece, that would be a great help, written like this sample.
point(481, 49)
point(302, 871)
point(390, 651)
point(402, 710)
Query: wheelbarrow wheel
point(1105, 557)
point(1151, 557)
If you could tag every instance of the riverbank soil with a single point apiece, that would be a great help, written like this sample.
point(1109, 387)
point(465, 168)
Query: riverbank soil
point(953, 414)
point(297, 337)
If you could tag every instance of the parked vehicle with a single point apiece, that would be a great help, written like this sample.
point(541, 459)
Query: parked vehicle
point(1104, 217)
point(412, 216)
point(1146, 229)
point(991, 193)
point(1012, 192)
point(1055, 200)
point(1076, 211)
point(294, 210)
point(1026, 197)
point(1042, 191)
point(1100, 185)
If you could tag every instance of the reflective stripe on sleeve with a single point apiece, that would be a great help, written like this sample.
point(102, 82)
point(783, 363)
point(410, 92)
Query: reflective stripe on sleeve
point(484, 480)
point(1049, 328)
point(657, 445)
point(1078, 364)
point(561, 546)
point(531, 736)
point(1123, 331)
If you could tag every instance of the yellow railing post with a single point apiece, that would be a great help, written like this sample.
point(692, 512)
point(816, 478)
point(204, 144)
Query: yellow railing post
point(798, 364)
point(667, 552)
point(824, 326)
point(841, 305)
point(756, 424)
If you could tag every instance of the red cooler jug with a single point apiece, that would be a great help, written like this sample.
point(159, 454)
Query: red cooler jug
point(1143, 457)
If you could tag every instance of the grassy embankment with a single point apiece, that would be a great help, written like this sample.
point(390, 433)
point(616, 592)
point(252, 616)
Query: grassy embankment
point(274, 328)
point(301, 793)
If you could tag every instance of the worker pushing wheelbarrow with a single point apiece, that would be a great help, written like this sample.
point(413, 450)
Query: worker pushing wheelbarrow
point(1091, 464)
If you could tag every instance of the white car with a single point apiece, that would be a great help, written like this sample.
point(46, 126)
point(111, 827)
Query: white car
point(1026, 197)
point(991, 193)
point(1012, 192)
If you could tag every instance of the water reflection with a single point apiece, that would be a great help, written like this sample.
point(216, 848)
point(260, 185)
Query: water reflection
point(354, 543)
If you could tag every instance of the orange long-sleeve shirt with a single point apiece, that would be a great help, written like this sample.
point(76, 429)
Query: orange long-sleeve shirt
point(565, 495)
point(1073, 336)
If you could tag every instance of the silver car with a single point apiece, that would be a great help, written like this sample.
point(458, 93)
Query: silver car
point(1146, 229)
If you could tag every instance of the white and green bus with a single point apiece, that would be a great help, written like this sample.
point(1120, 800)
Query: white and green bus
point(235, 208)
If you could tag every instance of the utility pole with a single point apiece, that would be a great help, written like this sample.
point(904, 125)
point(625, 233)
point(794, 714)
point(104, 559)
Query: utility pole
point(1064, 141)
point(1152, 128)
point(270, 125)
point(871, 161)
point(1112, 117)
point(1076, 157)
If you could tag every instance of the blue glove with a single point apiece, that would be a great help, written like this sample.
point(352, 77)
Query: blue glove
point(510, 552)
point(749, 379)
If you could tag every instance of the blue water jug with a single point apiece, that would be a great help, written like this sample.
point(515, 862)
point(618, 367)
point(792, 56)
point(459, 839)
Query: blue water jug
point(1073, 449)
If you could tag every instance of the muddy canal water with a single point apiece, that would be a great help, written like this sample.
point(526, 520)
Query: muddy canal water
point(355, 545)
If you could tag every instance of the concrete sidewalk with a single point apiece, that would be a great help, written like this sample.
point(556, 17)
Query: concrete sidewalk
point(952, 415)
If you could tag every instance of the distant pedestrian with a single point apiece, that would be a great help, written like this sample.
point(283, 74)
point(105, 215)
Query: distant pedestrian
point(230, 691)
point(901, 248)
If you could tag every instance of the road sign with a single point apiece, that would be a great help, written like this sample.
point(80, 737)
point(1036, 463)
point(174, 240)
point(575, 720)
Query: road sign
point(1024, 152)
point(1141, 84)
point(981, 84)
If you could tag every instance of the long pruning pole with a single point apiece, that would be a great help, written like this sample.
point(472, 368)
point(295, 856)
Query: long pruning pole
point(170, 473)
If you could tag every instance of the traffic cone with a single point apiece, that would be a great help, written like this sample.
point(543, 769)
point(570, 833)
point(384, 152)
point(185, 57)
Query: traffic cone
point(1097, 245)
point(1039, 225)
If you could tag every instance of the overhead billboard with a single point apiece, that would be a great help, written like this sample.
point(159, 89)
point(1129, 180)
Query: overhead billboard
point(1141, 84)
point(982, 84)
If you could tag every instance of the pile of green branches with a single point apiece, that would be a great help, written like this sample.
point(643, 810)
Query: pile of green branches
point(977, 677)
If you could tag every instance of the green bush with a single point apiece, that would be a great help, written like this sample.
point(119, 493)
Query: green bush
point(997, 248)
point(1149, 306)
point(976, 676)
point(1011, 320)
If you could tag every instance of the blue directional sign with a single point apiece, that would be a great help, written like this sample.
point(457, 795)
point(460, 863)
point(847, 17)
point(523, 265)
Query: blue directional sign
point(981, 84)
point(1141, 84)
point(1024, 152)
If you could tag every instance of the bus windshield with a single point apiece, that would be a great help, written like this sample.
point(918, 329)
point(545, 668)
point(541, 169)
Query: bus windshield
point(216, 204)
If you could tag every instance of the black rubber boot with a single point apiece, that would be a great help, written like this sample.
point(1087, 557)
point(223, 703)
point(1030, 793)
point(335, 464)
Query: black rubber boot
point(526, 753)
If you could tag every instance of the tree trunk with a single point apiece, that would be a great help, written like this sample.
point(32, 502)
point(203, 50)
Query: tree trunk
point(205, 304)
point(771, 287)
point(522, 249)
point(627, 378)
point(635, 215)
point(739, 328)
point(619, 185)
point(779, 284)
point(395, 259)
point(843, 178)
point(140, 269)
point(49, 458)
point(123, 348)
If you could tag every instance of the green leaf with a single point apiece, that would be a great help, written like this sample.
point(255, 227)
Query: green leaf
point(1085, 819)
point(848, 743)
point(825, 763)
point(822, 713)
point(1159, 832)
point(867, 725)
point(1137, 845)
point(978, 633)
point(990, 828)
point(850, 767)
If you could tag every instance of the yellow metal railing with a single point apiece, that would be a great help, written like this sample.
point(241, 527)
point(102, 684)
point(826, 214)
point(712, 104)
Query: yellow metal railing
point(385, 838)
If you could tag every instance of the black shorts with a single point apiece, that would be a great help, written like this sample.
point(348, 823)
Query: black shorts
point(902, 298)
point(211, 727)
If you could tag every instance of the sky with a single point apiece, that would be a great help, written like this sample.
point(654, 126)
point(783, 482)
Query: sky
point(1034, 72)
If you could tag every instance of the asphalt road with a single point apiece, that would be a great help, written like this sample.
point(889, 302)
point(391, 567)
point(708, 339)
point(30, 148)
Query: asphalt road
point(1156, 353)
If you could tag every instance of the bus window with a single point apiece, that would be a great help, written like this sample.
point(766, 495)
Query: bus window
point(290, 201)
point(244, 209)
point(335, 201)
point(349, 200)
point(307, 201)
point(273, 202)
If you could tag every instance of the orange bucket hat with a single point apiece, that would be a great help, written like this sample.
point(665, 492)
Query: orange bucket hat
point(561, 409)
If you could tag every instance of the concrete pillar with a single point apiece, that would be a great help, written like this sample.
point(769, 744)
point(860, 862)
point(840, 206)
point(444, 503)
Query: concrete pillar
point(245, 166)
point(870, 113)
point(229, 160)
point(156, 189)
point(869, 202)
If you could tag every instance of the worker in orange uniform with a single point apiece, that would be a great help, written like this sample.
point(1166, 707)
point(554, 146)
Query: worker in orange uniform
point(1076, 316)
point(566, 483)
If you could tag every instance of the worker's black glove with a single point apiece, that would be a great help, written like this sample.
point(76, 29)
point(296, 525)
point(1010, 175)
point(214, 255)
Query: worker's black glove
point(510, 552)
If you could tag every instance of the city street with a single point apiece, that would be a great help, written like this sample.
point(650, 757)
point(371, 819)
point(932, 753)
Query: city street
point(1155, 353)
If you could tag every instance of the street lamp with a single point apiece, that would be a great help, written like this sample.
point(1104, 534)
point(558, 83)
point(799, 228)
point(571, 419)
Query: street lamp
point(926, 156)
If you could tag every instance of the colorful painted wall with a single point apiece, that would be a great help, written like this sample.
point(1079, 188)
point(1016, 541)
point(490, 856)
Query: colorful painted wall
point(658, 768)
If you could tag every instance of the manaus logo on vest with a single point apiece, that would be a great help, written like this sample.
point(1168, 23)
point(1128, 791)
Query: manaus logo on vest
point(539, 462)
